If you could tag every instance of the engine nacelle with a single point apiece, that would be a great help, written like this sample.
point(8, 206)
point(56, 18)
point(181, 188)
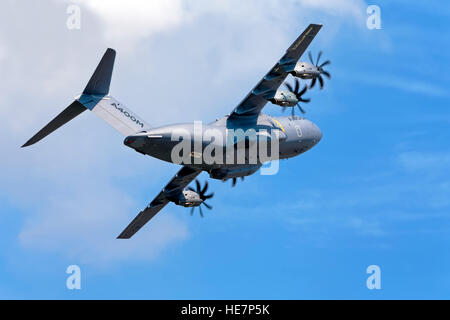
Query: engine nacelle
point(284, 99)
point(305, 70)
point(188, 198)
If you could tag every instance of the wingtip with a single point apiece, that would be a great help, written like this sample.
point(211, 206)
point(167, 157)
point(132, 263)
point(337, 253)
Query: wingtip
point(113, 51)
point(123, 235)
point(26, 144)
point(316, 26)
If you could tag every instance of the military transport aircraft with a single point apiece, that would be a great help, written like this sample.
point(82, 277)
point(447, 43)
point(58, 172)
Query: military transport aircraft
point(295, 134)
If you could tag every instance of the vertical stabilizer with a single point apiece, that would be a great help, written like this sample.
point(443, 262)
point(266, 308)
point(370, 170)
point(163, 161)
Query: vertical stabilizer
point(101, 79)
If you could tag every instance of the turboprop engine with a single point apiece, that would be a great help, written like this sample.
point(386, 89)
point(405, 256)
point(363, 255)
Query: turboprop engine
point(192, 198)
point(285, 99)
point(305, 70)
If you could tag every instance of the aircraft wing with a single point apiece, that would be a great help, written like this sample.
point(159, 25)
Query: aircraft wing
point(177, 184)
point(253, 103)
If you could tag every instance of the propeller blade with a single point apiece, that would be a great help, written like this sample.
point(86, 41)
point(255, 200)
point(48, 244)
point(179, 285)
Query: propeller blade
point(197, 184)
point(233, 183)
point(301, 109)
point(318, 58)
point(292, 112)
point(313, 82)
point(201, 211)
point(191, 189)
point(289, 87)
point(310, 57)
point(284, 109)
point(204, 188)
point(207, 205)
point(209, 196)
point(305, 100)
point(321, 82)
point(297, 86)
point(325, 63)
point(192, 211)
point(326, 73)
point(303, 91)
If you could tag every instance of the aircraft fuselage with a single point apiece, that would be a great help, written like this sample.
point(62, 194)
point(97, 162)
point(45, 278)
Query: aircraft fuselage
point(295, 135)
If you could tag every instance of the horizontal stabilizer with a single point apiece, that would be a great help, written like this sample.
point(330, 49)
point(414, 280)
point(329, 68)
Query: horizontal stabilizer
point(68, 114)
point(95, 97)
point(101, 79)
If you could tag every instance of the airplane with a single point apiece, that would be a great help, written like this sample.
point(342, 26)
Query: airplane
point(295, 135)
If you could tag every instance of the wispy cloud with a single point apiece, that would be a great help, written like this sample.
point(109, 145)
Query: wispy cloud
point(419, 161)
point(352, 8)
point(391, 81)
point(411, 85)
point(83, 226)
point(395, 195)
point(135, 20)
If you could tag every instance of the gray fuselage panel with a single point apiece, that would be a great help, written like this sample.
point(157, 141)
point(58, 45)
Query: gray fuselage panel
point(295, 135)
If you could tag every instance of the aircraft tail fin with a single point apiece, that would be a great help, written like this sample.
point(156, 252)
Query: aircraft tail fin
point(95, 98)
point(101, 79)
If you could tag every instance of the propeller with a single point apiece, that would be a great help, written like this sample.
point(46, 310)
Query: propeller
point(298, 94)
point(233, 181)
point(321, 70)
point(202, 193)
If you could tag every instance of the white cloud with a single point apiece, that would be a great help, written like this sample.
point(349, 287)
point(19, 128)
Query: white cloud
point(3, 51)
point(353, 8)
point(83, 226)
point(134, 20)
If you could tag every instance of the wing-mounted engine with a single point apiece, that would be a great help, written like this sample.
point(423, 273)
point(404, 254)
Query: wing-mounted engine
point(305, 70)
point(313, 70)
point(192, 198)
point(291, 98)
point(187, 198)
point(284, 98)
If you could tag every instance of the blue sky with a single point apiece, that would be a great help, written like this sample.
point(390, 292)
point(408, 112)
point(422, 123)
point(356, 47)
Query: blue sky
point(375, 190)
